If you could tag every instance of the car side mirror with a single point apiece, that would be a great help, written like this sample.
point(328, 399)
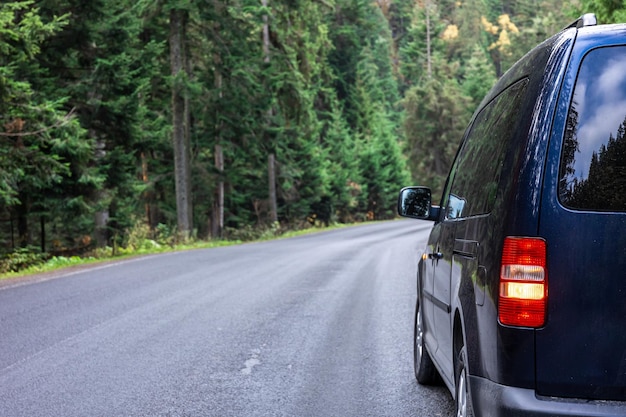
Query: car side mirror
point(415, 203)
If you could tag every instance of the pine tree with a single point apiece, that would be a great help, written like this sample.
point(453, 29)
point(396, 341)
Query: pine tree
point(479, 77)
point(436, 118)
point(43, 151)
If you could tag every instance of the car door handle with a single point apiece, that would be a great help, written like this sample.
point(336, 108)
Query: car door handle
point(436, 255)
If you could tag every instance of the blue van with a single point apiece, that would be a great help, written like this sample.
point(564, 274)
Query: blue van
point(521, 289)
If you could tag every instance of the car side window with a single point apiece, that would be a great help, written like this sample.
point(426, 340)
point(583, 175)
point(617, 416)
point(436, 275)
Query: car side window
point(477, 168)
point(592, 174)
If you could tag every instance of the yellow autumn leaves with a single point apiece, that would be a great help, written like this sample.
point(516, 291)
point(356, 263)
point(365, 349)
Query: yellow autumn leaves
point(450, 32)
point(501, 30)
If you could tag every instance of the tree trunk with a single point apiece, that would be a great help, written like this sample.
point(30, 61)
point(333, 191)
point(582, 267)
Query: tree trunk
point(12, 233)
point(101, 221)
point(102, 214)
point(428, 51)
point(217, 218)
point(180, 136)
point(271, 159)
point(266, 35)
point(218, 204)
point(42, 225)
point(271, 168)
point(23, 231)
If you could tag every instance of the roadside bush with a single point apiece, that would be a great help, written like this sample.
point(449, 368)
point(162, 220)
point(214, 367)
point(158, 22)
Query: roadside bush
point(165, 235)
point(248, 233)
point(22, 258)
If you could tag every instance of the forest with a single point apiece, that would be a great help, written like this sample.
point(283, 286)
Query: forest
point(171, 120)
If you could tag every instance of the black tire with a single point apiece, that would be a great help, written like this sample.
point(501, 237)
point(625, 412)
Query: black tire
point(425, 371)
point(463, 398)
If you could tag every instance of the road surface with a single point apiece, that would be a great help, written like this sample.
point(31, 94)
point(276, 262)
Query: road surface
point(318, 325)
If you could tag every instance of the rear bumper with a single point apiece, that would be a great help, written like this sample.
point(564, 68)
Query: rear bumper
point(494, 400)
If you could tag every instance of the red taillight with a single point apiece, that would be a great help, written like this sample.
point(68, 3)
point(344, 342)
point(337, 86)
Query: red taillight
point(523, 282)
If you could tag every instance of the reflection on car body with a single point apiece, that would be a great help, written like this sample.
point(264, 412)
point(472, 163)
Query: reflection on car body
point(455, 207)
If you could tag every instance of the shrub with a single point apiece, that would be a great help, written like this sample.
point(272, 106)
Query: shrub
point(22, 258)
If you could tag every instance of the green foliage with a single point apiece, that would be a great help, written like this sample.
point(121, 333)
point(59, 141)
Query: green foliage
point(44, 154)
point(471, 44)
point(478, 78)
point(57, 262)
point(21, 259)
point(343, 98)
point(29, 150)
point(607, 11)
point(437, 113)
point(364, 47)
point(249, 233)
point(341, 167)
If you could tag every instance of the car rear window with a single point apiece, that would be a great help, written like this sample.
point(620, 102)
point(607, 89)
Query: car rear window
point(592, 174)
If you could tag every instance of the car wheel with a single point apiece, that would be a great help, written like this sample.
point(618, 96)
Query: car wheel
point(425, 371)
point(463, 399)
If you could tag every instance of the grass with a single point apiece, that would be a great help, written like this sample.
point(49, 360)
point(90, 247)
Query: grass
point(150, 247)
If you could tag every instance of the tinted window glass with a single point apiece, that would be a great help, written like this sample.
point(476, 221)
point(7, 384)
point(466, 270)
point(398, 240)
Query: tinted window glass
point(593, 159)
point(479, 162)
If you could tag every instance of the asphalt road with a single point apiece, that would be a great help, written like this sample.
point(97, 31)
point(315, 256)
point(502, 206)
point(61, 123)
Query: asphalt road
point(319, 325)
